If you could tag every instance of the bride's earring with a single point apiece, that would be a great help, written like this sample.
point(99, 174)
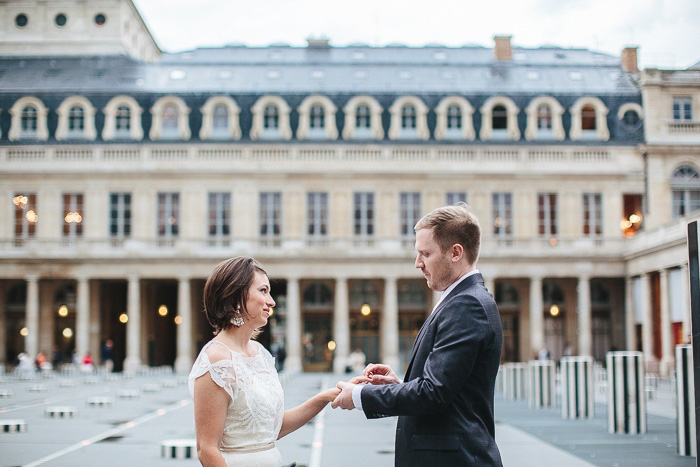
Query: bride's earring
point(237, 319)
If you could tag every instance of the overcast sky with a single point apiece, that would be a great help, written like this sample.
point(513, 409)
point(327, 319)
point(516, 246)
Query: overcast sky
point(667, 32)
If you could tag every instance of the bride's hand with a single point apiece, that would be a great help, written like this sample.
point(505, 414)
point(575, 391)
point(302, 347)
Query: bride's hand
point(329, 394)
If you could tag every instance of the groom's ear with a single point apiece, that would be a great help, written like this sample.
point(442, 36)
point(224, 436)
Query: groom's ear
point(456, 252)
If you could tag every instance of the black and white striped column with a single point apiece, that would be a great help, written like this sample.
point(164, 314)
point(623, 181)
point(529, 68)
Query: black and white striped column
point(514, 387)
point(685, 397)
point(577, 397)
point(541, 383)
point(626, 398)
point(178, 448)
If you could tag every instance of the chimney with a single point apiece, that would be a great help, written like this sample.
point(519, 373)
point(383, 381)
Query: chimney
point(321, 43)
point(629, 60)
point(502, 49)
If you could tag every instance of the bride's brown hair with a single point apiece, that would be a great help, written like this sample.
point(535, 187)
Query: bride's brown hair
point(226, 291)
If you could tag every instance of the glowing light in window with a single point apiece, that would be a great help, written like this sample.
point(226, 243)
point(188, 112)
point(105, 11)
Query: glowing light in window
point(73, 217)
point(178, 320)
point(63, 311)
point(331, 345)
point(554, 310)
point(24, 332)
point(123, 318)
point(67, 333)
point(163, 310)
point(365, 310)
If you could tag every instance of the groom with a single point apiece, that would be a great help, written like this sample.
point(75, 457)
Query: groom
point(445, 403)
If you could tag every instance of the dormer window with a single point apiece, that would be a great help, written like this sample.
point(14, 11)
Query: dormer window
point(122, 119)
point(317, 118)
point(76, 121)
point(499, 117)
point(270, 119)
point(28, 120)
point(631, 115)
point(362, 118)
point(409, 119)
point(589, 120)
point(630, 118)
point(544, 120)
point(454, 118)
point(220, 119)
point(170, 119)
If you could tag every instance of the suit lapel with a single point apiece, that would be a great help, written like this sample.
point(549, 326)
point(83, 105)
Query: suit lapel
point(468, 282)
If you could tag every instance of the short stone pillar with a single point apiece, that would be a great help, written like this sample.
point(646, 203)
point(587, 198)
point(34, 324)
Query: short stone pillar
point(60, 411)
point(685, 401)
point(178, 448)
point(577, 396)
point(99, 401)
point(514, 387)
point(13, 426)
point(627, 410)
point(541, 379)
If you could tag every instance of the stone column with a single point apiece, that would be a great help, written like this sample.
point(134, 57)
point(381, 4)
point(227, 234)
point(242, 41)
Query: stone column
point(390, 324)
point(133, 326)
point(685, 301)
point(183, 362)
point(647, 325)
point(293, 361)
point(341, 325)
point(584, 317)
point(667, 358)
point(630, 334)
point(31, 342)
point(82, 317)
point(536, 317)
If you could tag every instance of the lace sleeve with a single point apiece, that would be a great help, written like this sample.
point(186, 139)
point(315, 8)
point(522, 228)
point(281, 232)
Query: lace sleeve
point(223, 373)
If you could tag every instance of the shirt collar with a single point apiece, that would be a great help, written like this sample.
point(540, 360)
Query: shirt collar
point(447, 291)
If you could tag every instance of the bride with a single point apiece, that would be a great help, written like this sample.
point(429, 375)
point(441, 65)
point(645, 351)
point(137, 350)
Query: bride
point(238, 399)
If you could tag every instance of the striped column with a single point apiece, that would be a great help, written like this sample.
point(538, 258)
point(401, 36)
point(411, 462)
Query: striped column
point(626, 399)
point(685, 397)
point(541, 383)
point(577, 387)
point(178, 448)
point(514, 387)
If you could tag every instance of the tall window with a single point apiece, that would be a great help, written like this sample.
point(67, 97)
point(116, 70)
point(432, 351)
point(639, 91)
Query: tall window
point(220, 121)
point(29, 121)
point(120, 215)
point(170, 117)
point(499, 118)
point(168, 215)
point(72, 215)
point(454, 118)
point(25, 215)
point(219, 215)
point(682, 108)
point(317, 214)
point(685, 189)
point(316, 118)
point(502, 214)
point(408, 117)
point(76, 121)
point(454, 197)
point(271, 118)
point(364, 214)
point(544, 117)
point(409, 213)
point(592, 214)
point(588, 119)
point(123, 122)
point(270, 215)
point(362, 117)
point(547, 215)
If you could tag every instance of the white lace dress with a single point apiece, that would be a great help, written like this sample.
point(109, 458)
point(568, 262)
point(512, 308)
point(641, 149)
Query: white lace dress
point(254, 414)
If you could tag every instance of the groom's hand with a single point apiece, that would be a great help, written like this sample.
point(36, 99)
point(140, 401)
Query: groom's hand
point(344, 399)
point(377, 373)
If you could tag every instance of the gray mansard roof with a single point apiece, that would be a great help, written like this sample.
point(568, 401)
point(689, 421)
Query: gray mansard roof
point(328, 70)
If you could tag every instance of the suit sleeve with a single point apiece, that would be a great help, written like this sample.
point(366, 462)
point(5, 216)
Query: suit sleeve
point(461, 331)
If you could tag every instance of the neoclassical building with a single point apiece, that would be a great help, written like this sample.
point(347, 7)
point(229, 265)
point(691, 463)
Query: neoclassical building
point(129, 173)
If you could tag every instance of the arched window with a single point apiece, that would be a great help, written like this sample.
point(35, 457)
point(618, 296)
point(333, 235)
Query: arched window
point(630, 118)
point(408, 117)
point(454, 118)
point(29, 121)
point(588, 118)
point(271, 118)
point(76, 121)
point(364, 292)
point(362, 118)
point(685, 189)
point(220, 120)
point(544, 117)
point(499, 118)
point(123, 122)
point(316, 118)
point(170, 121)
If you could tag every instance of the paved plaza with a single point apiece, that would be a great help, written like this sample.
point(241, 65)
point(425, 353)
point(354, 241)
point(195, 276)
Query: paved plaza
point(113, 420)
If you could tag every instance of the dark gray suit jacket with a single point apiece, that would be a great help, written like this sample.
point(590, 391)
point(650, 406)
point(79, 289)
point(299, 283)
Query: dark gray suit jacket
point(445, 404)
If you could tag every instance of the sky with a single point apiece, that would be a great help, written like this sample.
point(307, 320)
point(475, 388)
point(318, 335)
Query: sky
point(667, 32)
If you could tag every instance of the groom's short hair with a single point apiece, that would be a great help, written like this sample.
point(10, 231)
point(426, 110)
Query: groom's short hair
point(454, 224)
